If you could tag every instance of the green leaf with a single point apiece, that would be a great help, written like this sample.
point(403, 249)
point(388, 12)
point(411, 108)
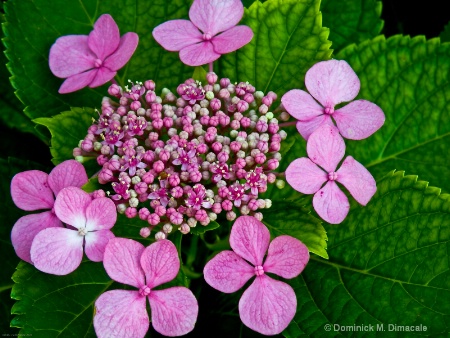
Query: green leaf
point(200, 229)
point(289, 39)
point(445, 34)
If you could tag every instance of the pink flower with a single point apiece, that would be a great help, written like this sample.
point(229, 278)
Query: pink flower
point(268, 305)
point(197, 40)
point(333, 82)
point(94, 59)
point(35, 190)
point(326, 149)
point(59, 251)
point(123, 313)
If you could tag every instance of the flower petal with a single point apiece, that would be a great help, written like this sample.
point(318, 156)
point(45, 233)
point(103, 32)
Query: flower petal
point(70, 55)
point(232, 39)
point(121, 314)
point(78, 81)
point(301, 105)
point(95, 245)
point(69, 173)
point(30, 191)
point(100, 214)
point(227, 272)
point(249, 238)
point(331, 203)
point(160, 263)
point(287, 257)
point(122, 261)
point(326, 147)
point(104, 74)
point(359, 119)
point(305, 176)
point(214, 16)
point(70, 206)
point(268, 305)
point(127, 46)
point(332, 82)
point(306, 128)
point(199, 54)
point(357, 179)
point(105, 37)
point(27, 227)
point(174, 35)
point(174, 311)
point(57, 251)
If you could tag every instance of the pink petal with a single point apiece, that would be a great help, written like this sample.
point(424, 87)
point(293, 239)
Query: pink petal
point(331, 203)
point(160, 263)
point(301, 105)
point(69, 173)
point(174, 311)
point(332, 82)
point(326, 147)
point(227, 272)
point(100, 214)
point(71, 55)
point(305, 176)
point(232, 39)
point(30, 191)
point(214, 16)
point(127, 46)
point(199, 54)
point(103, 75)
point(95, 245)
point(357, 179)
point(78, 81)
point(268, 305)
point(105, 37)
point(287, 257)
point(249, 238)
point(57, 251)
point(27, 227)
point(174, 35)
point(70, 206)
point(121, 314)
point(122, 261)
point(359, 119)
point(306, 128)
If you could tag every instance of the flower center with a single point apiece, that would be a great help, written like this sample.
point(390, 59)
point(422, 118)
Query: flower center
point(332, 176)
point(98, 63)
point(207, 37)
point(144, 290)
point(259, 270)
point(329, 110)
point(82, 231)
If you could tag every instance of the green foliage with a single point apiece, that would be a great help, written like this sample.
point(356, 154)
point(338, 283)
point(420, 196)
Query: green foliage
point(200, 229)
point(445, 34)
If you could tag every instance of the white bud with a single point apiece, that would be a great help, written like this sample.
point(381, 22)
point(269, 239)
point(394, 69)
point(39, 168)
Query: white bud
point(209, 95)
point(192, 222)
point(283, 134)
point(133, 202)
point(121, 208)
point(268, 203)
point(167, 228)
point(160, 235)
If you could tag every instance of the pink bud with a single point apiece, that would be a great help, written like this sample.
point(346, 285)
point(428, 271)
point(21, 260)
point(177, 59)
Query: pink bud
point(216, 147)
point(160, 210)
point(121, 111)
point(135, 105)
point(267, 100)
point(214, 121)
point(216, 208)
point(260, 158)
point(144, 213)
point(149, 85)
point(114, 90)
point(258, 216)
point(224, 120)
point(275, 146)
point(271, 178)
point(223, 192)
point(201, 215)
point(154, 203)
point(143, 197)
point(253, 204)
point(184, 228)
point(148, 178)
point(105, 176)
point(177, 192)
point(248, 97)
point(158, 166)
point(235, 146)
point(224, 93)
point(242, 106)
point(98, 194)
point(240, 173)
point(144, 232)
point(245, 122)
point(224, 82)
point(176, 218)
point(263, 109)
point(150, 97)
point(261, 126)
point(263, 146)
point(202, 148)
point(168, 122)
point(157, 124)
point(164, 155)
point(195, 176)
point(87, 145)
point(76, 152)
point(204, 120)
point(235, 124)
point(231, 216)
point(227, 205)
point(222, 156)
point(153, 219)
point(130, 212)
point(215, 104)
point(170, 211)
point(211, 77)
point(272, 164)
point(240, 163)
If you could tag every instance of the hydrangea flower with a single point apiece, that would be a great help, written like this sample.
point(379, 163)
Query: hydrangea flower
point(94, 59)
point(326, 149)
point(59, 251)
point(123, 313)
point(198, 40)
point(332, 82)
point(35, 190)
point(268, 305)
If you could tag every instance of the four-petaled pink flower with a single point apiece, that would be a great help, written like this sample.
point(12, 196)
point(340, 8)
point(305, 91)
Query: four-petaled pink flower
point(333, 82)
point(94, 59)
point(123, 313)
point(197, 40)
point(268, 305)
point(326, 149)
point(35, 190)
point(59, 251)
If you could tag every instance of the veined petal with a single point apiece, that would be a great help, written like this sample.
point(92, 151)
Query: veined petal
point(332, 82)
point(357, 179)
point(95, 244)
point(174, 35)
point(359, 119)
point(27, 227)
point(287, 257)
point(128, 44)
point(306, 128)
point(227, 272)
point(301, 105)
point(57, 251)
point(104, 74)
point(101, 214)
point(214, 16)
point(331, 203)
point(249, 238)
point(232, 39)
point(69, 173)
point(78, 81)
point(105, 37)
point(199, 54)
point(70, 206)
point(160, 263)
point(121, 314)
point(305, 176)
point(326, 147)
point(122, 261)
point(30, 191)
point(174, 311)
point(268, 305)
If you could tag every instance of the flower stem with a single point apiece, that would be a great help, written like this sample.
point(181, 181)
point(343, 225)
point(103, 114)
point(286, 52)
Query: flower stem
point(287, 124)
point(211, 67)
